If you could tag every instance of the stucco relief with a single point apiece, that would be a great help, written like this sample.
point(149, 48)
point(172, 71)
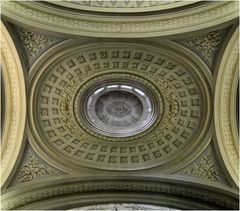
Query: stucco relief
point(33, 13)
point(62, 127)
point(206, 167)
point(124, 206)
point(170, 159)
point(122, 6)
point(225, 106)
point(32, 169)
point(15, 105)
point(35, 43)
point(206, 45)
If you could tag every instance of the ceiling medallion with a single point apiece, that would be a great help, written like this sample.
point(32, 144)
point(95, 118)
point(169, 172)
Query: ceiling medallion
point(134, 122)
point(119, 109)
point(120, 106)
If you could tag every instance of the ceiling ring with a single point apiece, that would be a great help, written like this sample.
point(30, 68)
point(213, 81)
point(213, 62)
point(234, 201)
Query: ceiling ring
point(118, 108)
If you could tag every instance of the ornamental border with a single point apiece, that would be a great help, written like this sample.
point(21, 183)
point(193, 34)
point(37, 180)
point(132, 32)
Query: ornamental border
point(38, 194)
point(15, 97)
point(72, 23)
point(224, 104)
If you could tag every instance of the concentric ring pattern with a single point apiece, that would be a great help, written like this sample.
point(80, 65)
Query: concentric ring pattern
point(61, 82)
point(117, 109)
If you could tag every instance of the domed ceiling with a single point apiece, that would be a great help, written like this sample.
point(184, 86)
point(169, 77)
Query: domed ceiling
point(122, 103)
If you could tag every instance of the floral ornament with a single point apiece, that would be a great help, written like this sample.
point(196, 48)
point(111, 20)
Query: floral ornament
point(33, 169)
point(206, 168)
point(34, 42)
point(206, 44)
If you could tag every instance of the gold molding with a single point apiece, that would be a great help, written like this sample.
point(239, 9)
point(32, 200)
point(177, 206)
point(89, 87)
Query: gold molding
point(224, 104)
point(15, 97)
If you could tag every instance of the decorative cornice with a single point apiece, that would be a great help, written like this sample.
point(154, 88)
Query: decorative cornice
point(224, 103)
point(27, 197)
point(15, 97)
point(69, 22)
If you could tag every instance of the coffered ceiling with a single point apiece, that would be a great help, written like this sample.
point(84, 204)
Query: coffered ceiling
point(127, 104)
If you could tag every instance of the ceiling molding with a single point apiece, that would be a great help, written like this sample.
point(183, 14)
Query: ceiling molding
point(36, 195)
point(144, 148)
point(48, 17)
point(59, 149)
point(119, 6)
point(225, 107)
point(15, 99)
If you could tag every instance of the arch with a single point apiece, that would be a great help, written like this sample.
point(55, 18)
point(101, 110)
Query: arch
point(225, 107)
point(15, 101)
point(70, 192)
point(65, 21)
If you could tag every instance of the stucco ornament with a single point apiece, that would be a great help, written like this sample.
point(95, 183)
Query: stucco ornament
point(205, 168)
point(75, 192)
point(225, 107)
point(60, 83)
point(32, 169)
point(122, 6)
point(206, 45)
point(34, 42)
point(124, 206)
point(15, 104)
point(70, 18)
point(118, 109)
